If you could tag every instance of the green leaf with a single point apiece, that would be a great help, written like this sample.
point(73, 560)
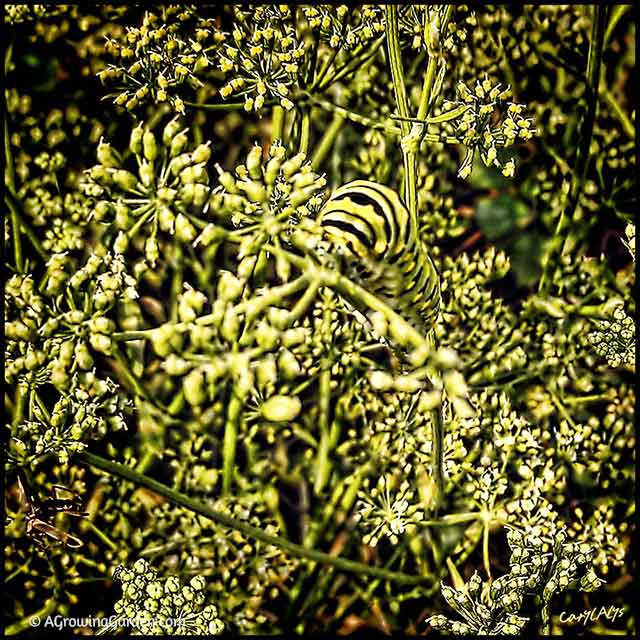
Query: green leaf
point(501, 216)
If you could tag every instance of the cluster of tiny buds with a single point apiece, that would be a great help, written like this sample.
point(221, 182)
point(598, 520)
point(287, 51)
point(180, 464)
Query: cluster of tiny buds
point(387, 511)
point(164, 606)
point(154, 60)
point(335, 23)
point(286, 188)
point(615, 339)
point(264, 57)
point(172, 181)
point(477, 130)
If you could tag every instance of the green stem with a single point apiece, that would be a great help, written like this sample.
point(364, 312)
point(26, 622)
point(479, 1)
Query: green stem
point(437, 456)
point(354, 63)
point(175, 497)
point(402, 103)
point(234, 415)
point(389, 128)
point(258, 305)
point(361, 296)
point(322, 466)
point(623, 119)
point(324, 146)
point(559, 243)
point(20, 402)
point(225, 106)
point(126, 336)
point(305, 130)
point(27, 623)
point(430, 74)
point(303, 304)
point(617, 11)
point(11, 202)
point(452, 520)
point(176, 282)
point(277, 123)
point(125, 370)
point(10, 183)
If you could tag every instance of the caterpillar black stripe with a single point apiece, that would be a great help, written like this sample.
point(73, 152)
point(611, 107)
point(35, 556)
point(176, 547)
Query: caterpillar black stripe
point(369, 223)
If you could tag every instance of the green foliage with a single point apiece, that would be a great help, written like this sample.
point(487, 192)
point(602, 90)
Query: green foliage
point(175, 313)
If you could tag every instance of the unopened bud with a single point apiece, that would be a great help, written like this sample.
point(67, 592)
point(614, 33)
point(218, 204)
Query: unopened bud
point(281, 408)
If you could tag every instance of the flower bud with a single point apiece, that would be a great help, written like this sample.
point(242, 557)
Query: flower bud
point(430, 400)
point(82, 356)
point(193, 388)
point(293, 165)
point(230, 326)
point(135, 142)
point(288, 365)
point(255, 191)
point(101, 325)
point(202, 153)
point(107, 157)
point(281, 408)
point(254, 163)
point(381, 380)
point(210, 235)
point(59, 377)
point(151, 252)
point(161, 339)
point(166, 219)
point(194, 173)
point(272, 170)
point(179, 162)
point(266, 373)
point(266, 336)
point(184, 230)
point(194, 194)
point(229, 287)
point(170, 131)
point(121, 243)
point(246, 267)
point(227, 180)
point(100, 343)
point(147, 173)
point(176, 366)
point(406, 384)
point(300, 196)
point(293, 337)
point(178, 144)
point(99, 174)
point(149, 146)
point(124, 179)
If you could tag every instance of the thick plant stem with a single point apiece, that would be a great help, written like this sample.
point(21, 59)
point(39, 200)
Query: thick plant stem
point(224, 106)
point(617, 11)
point(559, 243)
point(17, 218)
point(402, 103)
point(618, 112)
point(277, 123)
point(324, 146)
point(322, 466)
point(180, 499)
point(27, 623)
point(437, 456)
point(430, 75)
point(234, 415)
point(305, 130)
point(10, 184)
